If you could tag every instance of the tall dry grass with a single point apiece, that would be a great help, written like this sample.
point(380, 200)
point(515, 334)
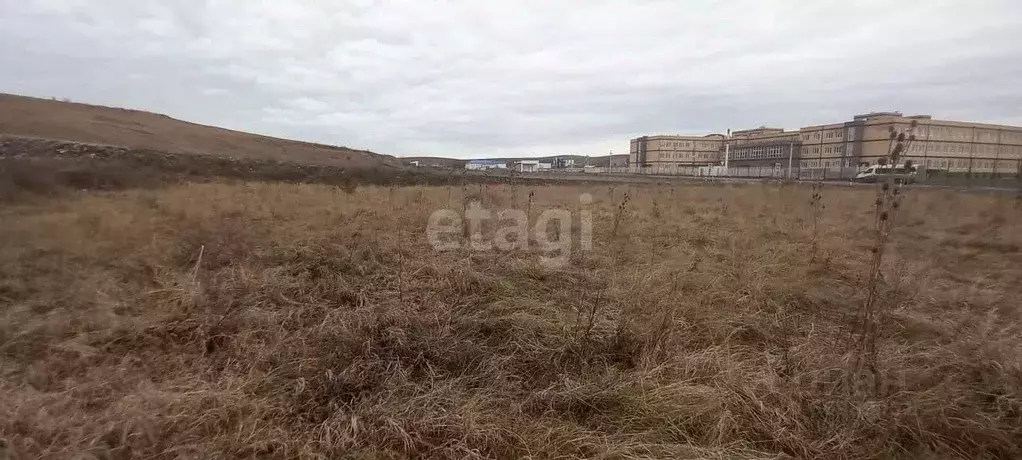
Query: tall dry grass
point(319, 324)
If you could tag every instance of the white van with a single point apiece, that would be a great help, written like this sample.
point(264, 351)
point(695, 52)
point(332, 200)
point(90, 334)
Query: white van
point(902, 174)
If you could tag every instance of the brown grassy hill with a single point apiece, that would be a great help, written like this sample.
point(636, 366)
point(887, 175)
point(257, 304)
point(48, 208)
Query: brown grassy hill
point(33, 117)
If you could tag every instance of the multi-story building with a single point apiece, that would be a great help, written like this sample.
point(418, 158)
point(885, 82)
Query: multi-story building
point(953, 146)
point(830, 146)
point(662, 153)
point(836, 148)
point(773, 147)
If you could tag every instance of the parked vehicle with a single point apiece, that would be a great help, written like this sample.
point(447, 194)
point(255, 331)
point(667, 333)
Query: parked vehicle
point(902, 174)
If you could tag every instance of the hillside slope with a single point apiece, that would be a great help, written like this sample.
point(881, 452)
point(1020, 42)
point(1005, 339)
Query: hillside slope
point(43, 118)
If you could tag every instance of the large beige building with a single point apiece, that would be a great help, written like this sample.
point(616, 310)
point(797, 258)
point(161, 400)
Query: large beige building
point(763, 147)
point(665, 151)
point(941, 145)
point(953, 146)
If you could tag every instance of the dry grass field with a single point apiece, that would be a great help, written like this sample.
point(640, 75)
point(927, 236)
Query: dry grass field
point(255, 320)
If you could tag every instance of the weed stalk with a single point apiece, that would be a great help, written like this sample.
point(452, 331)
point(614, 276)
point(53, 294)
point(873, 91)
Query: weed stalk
point(864, 354)
point(817, 206)
point(620, 211)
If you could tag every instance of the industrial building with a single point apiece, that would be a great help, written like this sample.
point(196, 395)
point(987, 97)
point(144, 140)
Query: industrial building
point(836, 149)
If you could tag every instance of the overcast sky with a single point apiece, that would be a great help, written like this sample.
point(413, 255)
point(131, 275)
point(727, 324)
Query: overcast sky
point(480, 78)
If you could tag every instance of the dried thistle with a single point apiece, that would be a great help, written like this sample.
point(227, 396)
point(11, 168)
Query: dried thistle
point(620, 212)
point(864, 347)
point(817, 207)
point(514, 188)
point(464, 210)
point(655, 226)
point(528, 209)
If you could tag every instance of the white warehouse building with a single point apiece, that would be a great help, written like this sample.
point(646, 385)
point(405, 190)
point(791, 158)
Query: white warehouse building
point(479, 165)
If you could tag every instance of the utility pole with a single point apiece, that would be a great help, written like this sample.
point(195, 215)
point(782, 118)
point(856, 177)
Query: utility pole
point(819, 159)
point(791, 152)
point(997, 156)
point(972, 148)
point(727, 150)
point(926, 156)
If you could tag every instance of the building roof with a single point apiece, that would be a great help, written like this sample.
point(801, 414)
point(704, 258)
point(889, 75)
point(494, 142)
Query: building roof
point(760, 130)
point(877, 114)
point(692, 137)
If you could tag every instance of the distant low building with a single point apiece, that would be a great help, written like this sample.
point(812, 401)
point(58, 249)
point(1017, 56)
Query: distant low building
point(480, 165)
point(561, 163)
point(527, 165)
point(531, 166)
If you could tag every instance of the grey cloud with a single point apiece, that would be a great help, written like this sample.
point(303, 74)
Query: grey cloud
point(469, 78)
